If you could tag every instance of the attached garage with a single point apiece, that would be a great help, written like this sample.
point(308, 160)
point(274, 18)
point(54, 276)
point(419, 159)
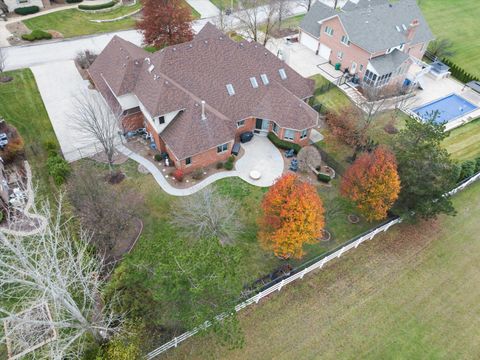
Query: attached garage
point(325, 52)
point(309, 41)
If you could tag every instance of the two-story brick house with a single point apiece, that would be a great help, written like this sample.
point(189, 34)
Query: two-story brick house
point(196, 98)
point(371, 39)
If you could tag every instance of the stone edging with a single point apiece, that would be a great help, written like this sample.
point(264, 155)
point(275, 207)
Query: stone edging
point(105, 10)
point(28, 206)
point(118, 18)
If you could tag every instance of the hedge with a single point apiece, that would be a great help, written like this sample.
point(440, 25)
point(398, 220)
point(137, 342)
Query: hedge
point(73, 1)
point(37, 35)
point(282, 144)
point(27, 10)
point(460, 73)
point(324, 178)
point(97, 7)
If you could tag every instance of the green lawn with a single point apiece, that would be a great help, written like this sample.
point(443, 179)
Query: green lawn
point(411, 293)
point(22, 106)
point(457, 20)
point(464, 142)
point(73, 22)
point(332, 99)
point(289, 23)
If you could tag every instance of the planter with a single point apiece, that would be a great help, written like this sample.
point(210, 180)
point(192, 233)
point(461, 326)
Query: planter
point(353, 219)
point(327, 170)
point(326, 236)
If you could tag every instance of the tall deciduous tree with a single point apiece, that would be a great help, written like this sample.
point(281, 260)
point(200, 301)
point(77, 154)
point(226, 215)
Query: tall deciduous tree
point(292, 216)
point(425, 168)
point(372, 183)
point(165, 22)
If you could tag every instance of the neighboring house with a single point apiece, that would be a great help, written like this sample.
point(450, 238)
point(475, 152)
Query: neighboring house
point(196, 98)
point(371, 39)
point(13, 4)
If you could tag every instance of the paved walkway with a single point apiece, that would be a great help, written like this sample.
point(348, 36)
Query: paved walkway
point(204, 7)
point(260, 155)
point(59, 83)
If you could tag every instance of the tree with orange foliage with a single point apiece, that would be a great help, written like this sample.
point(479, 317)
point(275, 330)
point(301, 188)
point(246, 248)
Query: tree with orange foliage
point(372, 183)
point(166, 22)
point(292, 216)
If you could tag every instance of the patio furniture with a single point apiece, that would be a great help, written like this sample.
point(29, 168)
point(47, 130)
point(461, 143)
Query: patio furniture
point(294, 165)
point(246, 136)
point(290, 153)
point(236, 149)
point(255, 174)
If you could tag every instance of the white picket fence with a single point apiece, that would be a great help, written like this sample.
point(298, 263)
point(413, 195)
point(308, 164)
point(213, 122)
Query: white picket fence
point(299, 275)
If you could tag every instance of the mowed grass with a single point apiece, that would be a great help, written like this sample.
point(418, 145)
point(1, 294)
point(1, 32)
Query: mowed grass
point(73, 22)
point(411, 293)
point(21, 105)
point(464, 142)
point(457, 20)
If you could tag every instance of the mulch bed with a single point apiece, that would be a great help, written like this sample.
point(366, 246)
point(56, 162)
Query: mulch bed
point(126, 243)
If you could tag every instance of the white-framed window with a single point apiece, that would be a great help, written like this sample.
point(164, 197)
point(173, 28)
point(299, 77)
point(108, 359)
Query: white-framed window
point(275, 128)
point(222, 148)
point(328, 30)
point(289, 134)
point(282, 73)
point(240, 123)
point(264, 79)
point(161, 120)
point(254, 82)
point(188, 161)
point(345, 40)
point(340, 55)
point(230, 89)
point(303, 134)
point(361, 67)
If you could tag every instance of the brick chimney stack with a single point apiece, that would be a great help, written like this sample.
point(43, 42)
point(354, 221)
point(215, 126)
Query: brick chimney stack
point(412, 29)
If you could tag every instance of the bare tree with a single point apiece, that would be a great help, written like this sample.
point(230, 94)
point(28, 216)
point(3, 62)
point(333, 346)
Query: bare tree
point(223, 21)
point(249, 16)
point(309, 158)
point(105, 211)
point(94, 118)
point(54, 267)
point(207, 214)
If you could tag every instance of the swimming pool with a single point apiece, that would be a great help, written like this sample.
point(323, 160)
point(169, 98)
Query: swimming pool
point(448, 108)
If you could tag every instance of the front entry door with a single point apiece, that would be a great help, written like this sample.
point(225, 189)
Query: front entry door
point(258, 124)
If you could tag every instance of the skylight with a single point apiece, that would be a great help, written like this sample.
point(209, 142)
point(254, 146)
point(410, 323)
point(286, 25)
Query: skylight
point(398, 28)
point(282, 73)
point(230, 89)
point(254, 82)
point(404, 27)
point(264, 79)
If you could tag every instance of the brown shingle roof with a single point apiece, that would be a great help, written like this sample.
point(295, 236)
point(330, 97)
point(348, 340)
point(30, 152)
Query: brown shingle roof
point(179, 77)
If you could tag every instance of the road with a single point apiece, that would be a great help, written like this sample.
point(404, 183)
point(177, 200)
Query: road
point(18, 57)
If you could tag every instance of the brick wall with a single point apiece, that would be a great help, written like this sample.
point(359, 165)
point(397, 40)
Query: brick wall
point(205, 159)
point(417, 50)
point(351, 53)
point(133, 121)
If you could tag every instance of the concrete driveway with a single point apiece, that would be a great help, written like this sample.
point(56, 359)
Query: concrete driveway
point(262, 156)
point(298, 57)
point(204, 7)
point(59, 83)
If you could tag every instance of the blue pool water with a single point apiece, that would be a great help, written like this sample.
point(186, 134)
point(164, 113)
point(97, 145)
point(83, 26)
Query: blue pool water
point(447, 108)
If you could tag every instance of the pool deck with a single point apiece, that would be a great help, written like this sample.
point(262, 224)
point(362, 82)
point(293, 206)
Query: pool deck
point(437, 89)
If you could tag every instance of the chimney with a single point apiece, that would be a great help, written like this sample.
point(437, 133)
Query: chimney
point(203, 110)
point(412, 29)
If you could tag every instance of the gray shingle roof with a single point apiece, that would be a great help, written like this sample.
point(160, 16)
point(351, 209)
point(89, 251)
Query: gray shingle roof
point(372, 25)
point(388, 63)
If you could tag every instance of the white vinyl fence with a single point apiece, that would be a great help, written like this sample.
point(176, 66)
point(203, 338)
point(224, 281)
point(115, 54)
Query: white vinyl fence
point(305, 269)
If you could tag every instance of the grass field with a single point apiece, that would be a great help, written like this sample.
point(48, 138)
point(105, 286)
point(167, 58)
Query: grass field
point(22, 106)
point(411, 293)
point(457, 20)
point(464, 142)
point(73, 22)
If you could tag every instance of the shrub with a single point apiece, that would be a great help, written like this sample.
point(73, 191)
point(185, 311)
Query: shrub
point(73, 1)
point(158, 157)
point(228, 165)
point(467, 169)
point(231, 158)
point(37, 35)
point(97, 7)
point(50, 146)
point(282, 144)
point(58, 169)
point(477, 164)
point(324, 178)
point(1, 216)
point(14, 148)
point(178, 175)
point(27, 10)
point(219, 165)
point(198, 174)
